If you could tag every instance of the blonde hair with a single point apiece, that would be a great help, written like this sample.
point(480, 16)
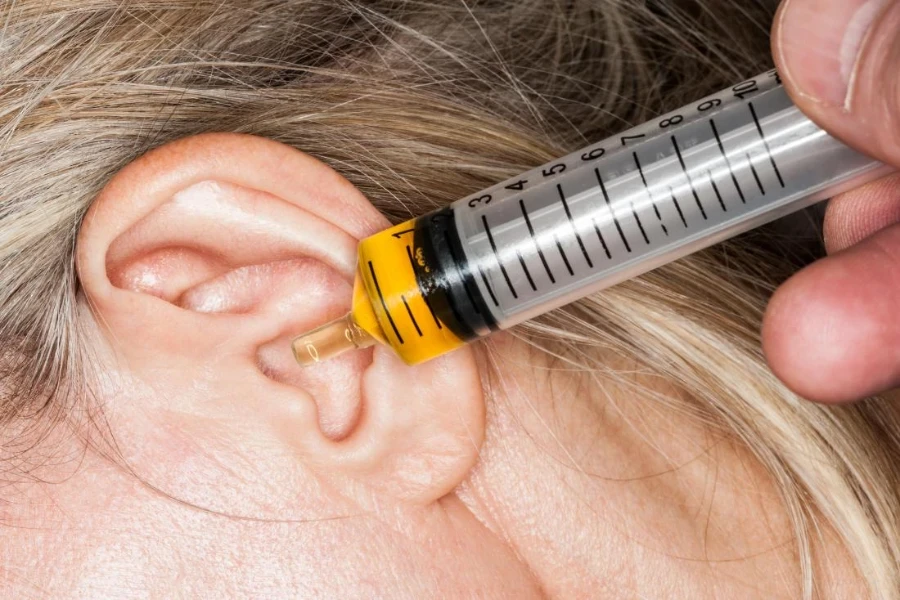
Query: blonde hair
point(418, 104)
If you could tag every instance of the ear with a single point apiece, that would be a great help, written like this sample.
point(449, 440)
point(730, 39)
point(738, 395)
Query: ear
point(201, 260)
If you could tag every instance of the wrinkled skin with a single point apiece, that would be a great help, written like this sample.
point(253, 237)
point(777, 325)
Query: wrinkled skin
point(238, 475)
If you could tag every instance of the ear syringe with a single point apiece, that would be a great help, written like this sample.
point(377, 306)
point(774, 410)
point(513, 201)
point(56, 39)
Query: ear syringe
point(609, 212)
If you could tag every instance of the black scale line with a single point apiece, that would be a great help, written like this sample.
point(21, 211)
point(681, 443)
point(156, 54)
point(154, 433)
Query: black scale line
point(688, 176)
point(677, 206)
point(459, 262)
point(490, 237)
point(384, 304)
point(715, 188)
point(536, 245)
point(611, 211)
point(759, 184)
point(412, 317)
point(762, 135)
point(737, 185)
point(487, 284)
point(639, 224)
point(602, 241)
point(562, 198)
point(412, 263)
point(562, 253)
point(649, 193)
point(527, 272)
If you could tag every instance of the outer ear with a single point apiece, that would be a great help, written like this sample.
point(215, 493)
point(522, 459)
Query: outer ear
point(200, 261)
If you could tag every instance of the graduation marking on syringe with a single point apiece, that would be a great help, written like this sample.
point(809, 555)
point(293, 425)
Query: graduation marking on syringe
point(649, 193)
point(490, 237)
point(759, 184)
point(762, 135)
point(562, 198)
point(737, 186)
point(688, 176)
point(677, 206)
point(611, 210)
point(534, 239)
point(384, 304)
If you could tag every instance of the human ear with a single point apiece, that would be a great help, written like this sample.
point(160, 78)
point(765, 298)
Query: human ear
point(201, 260)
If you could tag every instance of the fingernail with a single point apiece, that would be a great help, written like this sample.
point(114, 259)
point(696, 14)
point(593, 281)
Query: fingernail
point(821, 41)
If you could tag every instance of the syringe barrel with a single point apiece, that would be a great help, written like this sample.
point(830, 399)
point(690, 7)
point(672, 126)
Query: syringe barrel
point(621, 207)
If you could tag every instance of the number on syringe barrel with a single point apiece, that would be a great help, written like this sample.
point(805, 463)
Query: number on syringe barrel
point(400, 234)
point(554, 170)
point(483, 199)
point(593, 154)
point(742, 90)
point(669, 122)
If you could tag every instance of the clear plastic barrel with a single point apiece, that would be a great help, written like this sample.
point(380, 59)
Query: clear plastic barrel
point(622, 207)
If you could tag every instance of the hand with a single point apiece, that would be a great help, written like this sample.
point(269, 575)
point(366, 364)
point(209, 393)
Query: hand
point(832, 332)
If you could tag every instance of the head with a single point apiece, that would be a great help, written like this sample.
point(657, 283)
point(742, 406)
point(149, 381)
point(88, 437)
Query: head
point(183, 188)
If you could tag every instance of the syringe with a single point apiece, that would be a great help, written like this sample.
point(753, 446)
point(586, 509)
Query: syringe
point(607, 213)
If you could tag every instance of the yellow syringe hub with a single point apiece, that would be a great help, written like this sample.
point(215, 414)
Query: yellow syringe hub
point(389, 306)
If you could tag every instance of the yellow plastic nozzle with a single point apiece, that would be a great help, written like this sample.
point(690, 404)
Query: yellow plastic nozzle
point(388, 307)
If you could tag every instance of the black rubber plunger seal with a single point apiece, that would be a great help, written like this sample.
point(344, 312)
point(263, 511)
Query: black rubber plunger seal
point(445, 278)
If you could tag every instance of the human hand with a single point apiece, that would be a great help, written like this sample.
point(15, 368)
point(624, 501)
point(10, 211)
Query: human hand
point(832, 332)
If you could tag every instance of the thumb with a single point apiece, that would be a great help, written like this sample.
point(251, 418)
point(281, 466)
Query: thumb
point(831, 332)
point(840, 61)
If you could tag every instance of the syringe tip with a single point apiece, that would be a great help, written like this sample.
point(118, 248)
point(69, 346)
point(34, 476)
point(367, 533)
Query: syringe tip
point(329, 340)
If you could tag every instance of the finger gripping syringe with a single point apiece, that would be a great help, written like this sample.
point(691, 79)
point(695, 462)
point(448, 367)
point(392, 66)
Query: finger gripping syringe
point(607, 213)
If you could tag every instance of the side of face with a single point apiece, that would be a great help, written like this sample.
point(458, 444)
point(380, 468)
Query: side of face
point(225, 470)
point(198, 263)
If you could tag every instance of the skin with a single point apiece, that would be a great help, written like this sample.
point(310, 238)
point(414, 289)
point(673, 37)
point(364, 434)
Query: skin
point(235, 474)
point(831, 332)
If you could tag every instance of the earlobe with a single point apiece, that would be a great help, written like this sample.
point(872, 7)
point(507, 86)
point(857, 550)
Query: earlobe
point(202, 259)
